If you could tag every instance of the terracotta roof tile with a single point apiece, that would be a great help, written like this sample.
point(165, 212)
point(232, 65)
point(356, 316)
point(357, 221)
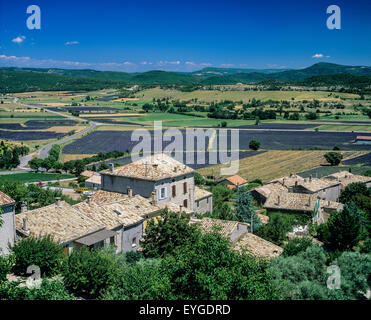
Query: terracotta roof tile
point(5, 199)
point(155, 167)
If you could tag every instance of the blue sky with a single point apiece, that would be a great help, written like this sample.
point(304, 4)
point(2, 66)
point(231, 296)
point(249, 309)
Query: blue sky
point(177, 35)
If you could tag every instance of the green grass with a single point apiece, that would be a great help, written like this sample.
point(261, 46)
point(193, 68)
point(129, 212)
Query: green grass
point(34, 177)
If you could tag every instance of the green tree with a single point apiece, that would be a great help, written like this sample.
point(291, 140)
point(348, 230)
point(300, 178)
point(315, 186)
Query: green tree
point(296, 245)
point(169, 232)
point(35, 164)
point(333, 158)
point(90, 272)
point(245, 210)
point(254, 145)
point(344, 227)
point(208, 269)
point(275, 230)
point(42, 252)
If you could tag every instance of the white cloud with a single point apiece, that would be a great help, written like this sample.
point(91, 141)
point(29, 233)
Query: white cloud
point(13, 58)
point(70, 43)
point(190, 63)
point(205, 64)
point(226, 65)
point(19, 39)
point(128, 63)
point(145, 63)
point(318, 56)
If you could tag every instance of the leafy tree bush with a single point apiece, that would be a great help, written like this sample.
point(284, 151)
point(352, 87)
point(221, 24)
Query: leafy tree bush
point(6, 263)
point(344, 228)
point(49, 290)
point(89, 272)
point(245, 210)
point(254, 145)
point(209, 269)
point(171, 231)
point(42, 252)
point(333, 158)
point(145, 280)
point(276, 229)
point(296, 245)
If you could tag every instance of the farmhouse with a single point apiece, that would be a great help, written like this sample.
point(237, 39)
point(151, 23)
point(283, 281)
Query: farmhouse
point(87, 173)
point(329, 190)
point(7, 229)
point(159, 177)
point(242, 240)
point(234, 181)
point(124, 215)
point(94, 182)
point(345, 178)
point(302, 195)
point(362, 140)
point(65, 224)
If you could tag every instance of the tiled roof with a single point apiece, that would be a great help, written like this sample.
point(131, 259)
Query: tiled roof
point(201, 193)
point(345, 178)
point(258, 246)
point(311, 184)
point(363, 138)
point(125, 212)
point(5, 199)
point(297, 201)
point(96, 178)
point(236, 180)
point(62, 222)
point(87, 173)
point(224, 227)
point(155, 167)
point(114, 209)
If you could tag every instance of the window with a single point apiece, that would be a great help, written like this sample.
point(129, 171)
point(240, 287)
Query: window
point(162, 193)
point(112, 240)
point(185, 203)
point(173, 188)
point(185, 187)
point(198, 203)
point(134, 242)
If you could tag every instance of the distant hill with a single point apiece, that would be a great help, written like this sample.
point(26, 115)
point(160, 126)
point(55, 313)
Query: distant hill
point(212, 71)
point(30, 79)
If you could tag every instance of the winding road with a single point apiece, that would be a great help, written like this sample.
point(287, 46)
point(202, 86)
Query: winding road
point(44, 151)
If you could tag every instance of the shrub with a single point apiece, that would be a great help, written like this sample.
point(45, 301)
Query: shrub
point(296, 245)
point(5, 266)
point(254, 145)
point(333, 158)
point(89, 272)
point(42, 252)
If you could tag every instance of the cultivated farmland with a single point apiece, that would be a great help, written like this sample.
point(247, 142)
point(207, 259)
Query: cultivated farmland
point(275, 163)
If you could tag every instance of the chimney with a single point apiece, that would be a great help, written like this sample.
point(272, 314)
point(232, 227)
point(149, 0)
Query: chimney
point(58, 201)
point(111, 167)
point(24, 207)
point(181, 208)
point(296, 183)
point(310, 178)
point(154, 200)
point(89, 199)
point(25, 226)
point(283, 181)
point(130, 192)
point(175, 169)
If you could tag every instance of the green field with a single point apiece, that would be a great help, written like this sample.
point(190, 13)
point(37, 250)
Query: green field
point(34, 177)
point(213, 95)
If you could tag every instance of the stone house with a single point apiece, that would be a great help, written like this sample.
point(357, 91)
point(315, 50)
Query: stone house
point(7, 229)
point(65, 224)
point(94, 181)
point(234, 182)
point(160, 177)
point(242, 240)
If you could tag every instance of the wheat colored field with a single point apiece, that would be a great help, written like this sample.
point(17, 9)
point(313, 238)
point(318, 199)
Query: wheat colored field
point(213, 95)
point(274, 163)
